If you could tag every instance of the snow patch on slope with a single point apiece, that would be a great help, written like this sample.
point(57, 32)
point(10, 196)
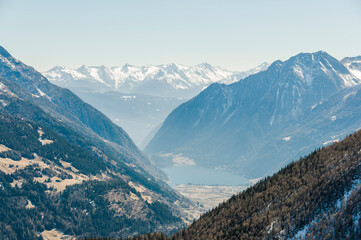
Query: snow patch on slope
point(6, 91)
point(286, 139)
point(42, 94)
point(301, 234)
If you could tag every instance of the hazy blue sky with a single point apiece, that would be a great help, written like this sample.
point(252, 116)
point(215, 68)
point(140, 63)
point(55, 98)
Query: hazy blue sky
point(231, 33)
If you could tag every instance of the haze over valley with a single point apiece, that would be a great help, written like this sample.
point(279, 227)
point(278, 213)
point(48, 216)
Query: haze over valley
point(180, 120)
point(197, 144)
point(140, 98)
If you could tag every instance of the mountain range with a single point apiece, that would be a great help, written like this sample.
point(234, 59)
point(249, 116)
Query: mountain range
point(140, 98)
point(256, 125)
point(66, 166)
point(167, 80)
point(67, 170)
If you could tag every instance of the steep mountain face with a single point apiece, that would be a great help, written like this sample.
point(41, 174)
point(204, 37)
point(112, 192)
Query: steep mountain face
point(62, 103)
point(167, 80)
point(64, 165)
point(140, 98)
point(253, 126)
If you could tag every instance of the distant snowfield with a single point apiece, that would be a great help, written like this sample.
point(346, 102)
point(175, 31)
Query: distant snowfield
point(130, 78)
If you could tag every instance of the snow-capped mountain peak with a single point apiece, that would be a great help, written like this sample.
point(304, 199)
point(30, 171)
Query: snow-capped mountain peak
point(311, 68)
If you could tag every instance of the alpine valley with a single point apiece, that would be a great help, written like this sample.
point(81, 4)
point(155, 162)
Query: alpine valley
point(66, 169)
point(317, 197)
point(140, 98)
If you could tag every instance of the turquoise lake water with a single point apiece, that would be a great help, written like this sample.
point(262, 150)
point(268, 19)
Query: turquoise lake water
point(203, 176)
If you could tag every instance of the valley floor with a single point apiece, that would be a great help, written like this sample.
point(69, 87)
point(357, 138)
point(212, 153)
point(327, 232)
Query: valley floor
point(208, 196)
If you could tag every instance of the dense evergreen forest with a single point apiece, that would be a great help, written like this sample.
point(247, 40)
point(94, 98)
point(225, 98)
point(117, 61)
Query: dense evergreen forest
point(317, 197)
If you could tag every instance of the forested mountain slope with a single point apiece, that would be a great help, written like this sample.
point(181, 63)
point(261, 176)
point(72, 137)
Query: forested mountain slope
point(324, 185)
point(62, 104)
point(48, 183)
point(79, 171)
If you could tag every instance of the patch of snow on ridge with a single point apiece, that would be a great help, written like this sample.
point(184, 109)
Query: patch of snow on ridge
point(349, 80)
point(4, 103)
point(94, 73)
point(5, 90)
point(298, 71)
point(128, 97)
point(255, 180)
point(348, 95)
point(286, 139)
point(355, 72)
point(331, 141)
point(43, 94)
point(7, 62)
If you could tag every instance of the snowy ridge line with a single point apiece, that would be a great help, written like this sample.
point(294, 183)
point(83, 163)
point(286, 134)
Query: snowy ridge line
point(177, 75)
